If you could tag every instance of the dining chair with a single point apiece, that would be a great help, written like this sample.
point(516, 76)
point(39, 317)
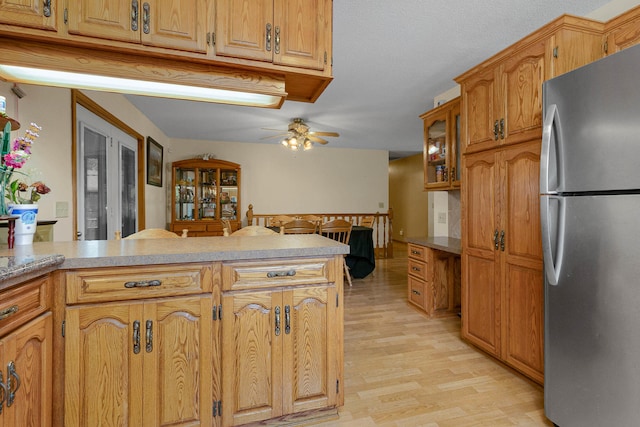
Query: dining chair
point(313, 218)
point(299, 226)
point(279, 220)
point(226, 227)
point(253, 230)
point(367, 221)
point(340, 230)
point(153, 233)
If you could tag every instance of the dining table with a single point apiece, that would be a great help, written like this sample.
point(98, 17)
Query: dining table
point(361, 259)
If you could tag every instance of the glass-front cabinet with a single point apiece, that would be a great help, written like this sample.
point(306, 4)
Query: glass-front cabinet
point(205, 192)
point(442, 146)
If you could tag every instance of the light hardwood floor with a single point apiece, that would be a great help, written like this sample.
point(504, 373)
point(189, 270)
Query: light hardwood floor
point(404, 369)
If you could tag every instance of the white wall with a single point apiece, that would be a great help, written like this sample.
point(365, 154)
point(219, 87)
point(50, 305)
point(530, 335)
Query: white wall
point(274, 180)
point(324, 179)
point(612, 9)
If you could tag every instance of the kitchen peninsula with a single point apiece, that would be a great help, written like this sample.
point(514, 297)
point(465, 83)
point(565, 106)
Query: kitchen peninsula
point(211, 331)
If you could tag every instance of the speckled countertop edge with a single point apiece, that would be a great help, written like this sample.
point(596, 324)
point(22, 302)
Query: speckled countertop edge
point(446, 244)
point(114, 253)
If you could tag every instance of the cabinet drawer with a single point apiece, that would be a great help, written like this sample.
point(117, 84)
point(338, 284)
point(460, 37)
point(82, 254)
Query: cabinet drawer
point(250, 275)
point(417, 252)
point(418, 269)
point(417, 292)
point(178, 227)
point(129, 283)
point(20, 304)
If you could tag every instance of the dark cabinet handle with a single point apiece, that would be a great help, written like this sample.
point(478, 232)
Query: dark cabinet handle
point(8, 312)
point(502, 240)
point(502, 128)
point(415, 268)
point(495, 239)
point(496, 127)
point(268, 38)
point(146, 18)
point(277, 49)
point(287, 319)
point(277, 332)
point(415, 292)
point(142, 284)
point(11, 373)
point(3, 390)
point(149, 336)
point(134, 15)
point(136, 337)
point(273, 274)
point(46, 10)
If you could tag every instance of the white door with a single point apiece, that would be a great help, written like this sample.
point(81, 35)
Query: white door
point(107, 179)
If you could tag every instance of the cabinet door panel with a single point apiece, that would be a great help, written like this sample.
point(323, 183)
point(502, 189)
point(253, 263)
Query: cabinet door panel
point(624, 36)
point(523, 341)
point(480, 202)
point(175, 24)
point(523, 75)
point(442, 264)
point(521, 203)
point(301, 27)
point(102, 372)
point(308, 355)
point(251, 358)
point(575, 48)
point(108, 19)
point(479, 112)
point(30, 349)
point(29, 13)
point(241, 29)
point(177, 366)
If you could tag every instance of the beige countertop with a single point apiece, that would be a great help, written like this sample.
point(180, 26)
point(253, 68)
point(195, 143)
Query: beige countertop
point(41, 257)
point(446, 244)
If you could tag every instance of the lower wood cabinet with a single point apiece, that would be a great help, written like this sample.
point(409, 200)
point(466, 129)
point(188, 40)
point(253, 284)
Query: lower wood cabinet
point(26, 355)
point(433, 280)
point(140, 361)
point(281, 341)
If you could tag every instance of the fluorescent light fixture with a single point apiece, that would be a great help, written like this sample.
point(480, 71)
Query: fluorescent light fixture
point(135, 87)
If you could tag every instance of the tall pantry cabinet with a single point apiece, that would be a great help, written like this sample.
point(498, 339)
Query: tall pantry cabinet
point(502, 274)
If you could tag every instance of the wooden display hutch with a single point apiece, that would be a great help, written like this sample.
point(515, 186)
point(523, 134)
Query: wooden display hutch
point(204, 193)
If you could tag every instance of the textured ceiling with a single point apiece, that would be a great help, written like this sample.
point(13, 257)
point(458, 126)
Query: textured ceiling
point(390, 59)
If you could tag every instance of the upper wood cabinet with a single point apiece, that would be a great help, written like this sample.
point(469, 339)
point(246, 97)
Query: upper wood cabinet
point(441, 150)
point(37, 14)
point(161, 23)
point(623, 31)
point(294, 33)
point(502, 98)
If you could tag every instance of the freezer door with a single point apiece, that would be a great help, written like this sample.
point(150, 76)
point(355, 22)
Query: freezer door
point(595, 139)
point(592, 315)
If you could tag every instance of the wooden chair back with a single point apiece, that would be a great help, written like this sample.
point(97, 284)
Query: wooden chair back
point(338, 229)
point(313, 218)
point(367, 221)
point(299, 226)
point(253, 230)
point(279, 220)
point(154, 233)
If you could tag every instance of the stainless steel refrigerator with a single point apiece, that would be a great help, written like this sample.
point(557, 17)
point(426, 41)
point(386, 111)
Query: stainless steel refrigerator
point(590, 220)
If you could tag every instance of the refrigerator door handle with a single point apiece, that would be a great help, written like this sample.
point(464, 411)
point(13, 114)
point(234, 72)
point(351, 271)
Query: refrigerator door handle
point(552, 224)
point(551, 120)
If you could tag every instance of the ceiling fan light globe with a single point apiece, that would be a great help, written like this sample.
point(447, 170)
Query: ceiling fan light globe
point(308, 145)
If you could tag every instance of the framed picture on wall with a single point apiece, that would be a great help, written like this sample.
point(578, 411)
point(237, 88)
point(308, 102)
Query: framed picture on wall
point(154, 162)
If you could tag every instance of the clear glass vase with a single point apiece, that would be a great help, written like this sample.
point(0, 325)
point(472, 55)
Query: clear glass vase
point(5, 179)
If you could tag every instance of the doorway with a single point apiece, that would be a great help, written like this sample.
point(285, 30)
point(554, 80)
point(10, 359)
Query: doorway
point(107, 161)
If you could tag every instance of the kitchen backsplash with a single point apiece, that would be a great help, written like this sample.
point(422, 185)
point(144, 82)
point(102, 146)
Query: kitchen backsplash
point(454, 214)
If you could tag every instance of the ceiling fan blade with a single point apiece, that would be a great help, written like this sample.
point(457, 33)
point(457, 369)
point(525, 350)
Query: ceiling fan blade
point(316, 139)
point(325, 133)
point(277, 130)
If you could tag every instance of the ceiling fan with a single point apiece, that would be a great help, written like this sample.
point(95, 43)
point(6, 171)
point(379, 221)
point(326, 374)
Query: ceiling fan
point(299, 136)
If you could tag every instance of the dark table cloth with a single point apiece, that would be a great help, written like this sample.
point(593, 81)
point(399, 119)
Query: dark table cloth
point(361, 260)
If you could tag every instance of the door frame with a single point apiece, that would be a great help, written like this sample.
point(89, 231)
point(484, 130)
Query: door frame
point(78, 97)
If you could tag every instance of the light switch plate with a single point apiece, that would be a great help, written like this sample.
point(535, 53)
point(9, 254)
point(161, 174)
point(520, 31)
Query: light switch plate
point(62, 209)
point(442, 217)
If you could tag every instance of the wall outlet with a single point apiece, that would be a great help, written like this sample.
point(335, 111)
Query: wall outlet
point(381, 205)
point(442, 217)
point(401, 232)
